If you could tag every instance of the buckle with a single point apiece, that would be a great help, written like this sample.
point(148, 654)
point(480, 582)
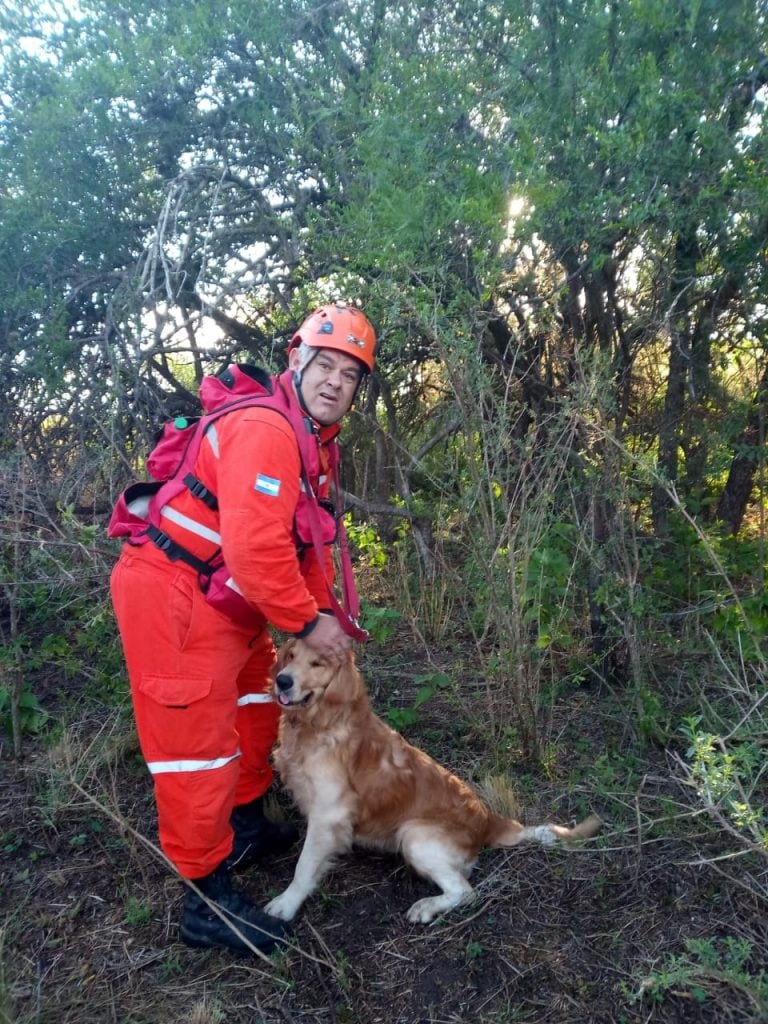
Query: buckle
point(161, 540)
point(199, 490)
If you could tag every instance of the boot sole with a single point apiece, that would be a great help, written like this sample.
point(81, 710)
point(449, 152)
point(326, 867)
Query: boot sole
point(198, 941)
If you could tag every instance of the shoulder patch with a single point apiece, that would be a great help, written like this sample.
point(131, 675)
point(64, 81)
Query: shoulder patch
point(267, 485)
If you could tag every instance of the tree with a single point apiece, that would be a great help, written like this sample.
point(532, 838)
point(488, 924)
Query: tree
point(555, 212)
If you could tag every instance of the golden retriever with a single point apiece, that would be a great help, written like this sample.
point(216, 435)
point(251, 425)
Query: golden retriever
point(357, 780)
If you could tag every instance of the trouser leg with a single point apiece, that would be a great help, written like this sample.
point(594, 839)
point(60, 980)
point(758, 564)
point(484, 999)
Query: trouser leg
point(183, 662)
point(258, 716)
point(256, 836)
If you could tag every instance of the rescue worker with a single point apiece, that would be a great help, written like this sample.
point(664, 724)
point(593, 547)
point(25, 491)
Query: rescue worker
point(201, 685)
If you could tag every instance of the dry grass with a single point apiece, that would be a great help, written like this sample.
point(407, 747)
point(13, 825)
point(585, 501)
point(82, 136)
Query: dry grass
point(575, 935)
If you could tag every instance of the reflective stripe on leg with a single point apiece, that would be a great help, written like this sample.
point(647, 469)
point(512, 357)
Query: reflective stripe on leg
point(189, 765)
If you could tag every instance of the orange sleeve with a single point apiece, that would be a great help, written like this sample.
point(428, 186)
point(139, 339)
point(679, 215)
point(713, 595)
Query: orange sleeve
point(258, 484)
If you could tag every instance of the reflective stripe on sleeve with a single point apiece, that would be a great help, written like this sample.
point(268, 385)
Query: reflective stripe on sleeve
point(254, 698)
point(190, 524)
point(213, 439)
point(163, 767)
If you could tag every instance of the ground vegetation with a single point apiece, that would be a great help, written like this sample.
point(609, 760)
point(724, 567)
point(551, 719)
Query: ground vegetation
point(556, 213)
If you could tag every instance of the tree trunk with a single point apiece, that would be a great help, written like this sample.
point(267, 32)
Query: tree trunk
point(696, 430)
point(741, 477)
point(679, 367)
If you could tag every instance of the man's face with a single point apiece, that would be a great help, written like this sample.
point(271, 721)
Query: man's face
point(328, 384)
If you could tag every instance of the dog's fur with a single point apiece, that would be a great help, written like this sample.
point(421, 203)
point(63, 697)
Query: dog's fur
point(357, 780)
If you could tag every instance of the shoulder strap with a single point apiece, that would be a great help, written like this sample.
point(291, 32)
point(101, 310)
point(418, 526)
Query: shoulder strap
point(351, 599)
point(347, 616)
point(178, 482)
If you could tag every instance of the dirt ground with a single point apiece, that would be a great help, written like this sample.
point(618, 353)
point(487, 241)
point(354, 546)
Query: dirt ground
point(90, 912)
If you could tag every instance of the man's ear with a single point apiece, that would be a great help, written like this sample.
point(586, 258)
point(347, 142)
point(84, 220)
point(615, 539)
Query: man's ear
point(346, 685)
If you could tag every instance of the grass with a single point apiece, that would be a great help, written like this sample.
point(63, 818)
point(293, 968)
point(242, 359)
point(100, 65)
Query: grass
point(544, 923)
point(630, 926)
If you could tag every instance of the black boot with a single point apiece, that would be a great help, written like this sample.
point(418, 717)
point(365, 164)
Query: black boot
point(256, 836)
point(201, 926)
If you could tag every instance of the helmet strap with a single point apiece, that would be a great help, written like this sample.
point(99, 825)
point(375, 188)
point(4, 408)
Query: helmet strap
point(306, 354)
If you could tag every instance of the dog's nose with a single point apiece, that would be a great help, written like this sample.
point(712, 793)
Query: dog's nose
point(284, 681)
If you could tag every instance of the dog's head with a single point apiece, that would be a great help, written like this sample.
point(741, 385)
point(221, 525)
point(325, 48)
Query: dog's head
point(304, 678)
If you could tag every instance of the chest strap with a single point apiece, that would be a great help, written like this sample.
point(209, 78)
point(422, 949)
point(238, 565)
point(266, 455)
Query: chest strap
point(176, 553)
point(199, 490)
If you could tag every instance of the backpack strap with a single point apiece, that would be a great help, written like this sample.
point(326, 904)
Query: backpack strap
point(198, 490)
point(176, 553)
point(346, 616)
point(351, 599)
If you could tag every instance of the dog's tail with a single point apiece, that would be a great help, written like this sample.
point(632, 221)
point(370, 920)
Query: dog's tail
point(508, 832)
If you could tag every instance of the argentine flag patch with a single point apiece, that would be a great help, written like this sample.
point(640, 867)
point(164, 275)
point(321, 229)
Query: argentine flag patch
point(267, 485)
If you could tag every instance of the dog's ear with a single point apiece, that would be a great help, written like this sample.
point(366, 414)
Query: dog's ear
point(282, 654)
point(346, 685)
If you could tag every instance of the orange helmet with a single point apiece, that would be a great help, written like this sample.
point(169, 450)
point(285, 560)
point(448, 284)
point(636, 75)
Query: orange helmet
point(342, 328)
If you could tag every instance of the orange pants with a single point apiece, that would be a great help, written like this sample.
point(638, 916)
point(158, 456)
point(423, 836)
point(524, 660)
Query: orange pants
point(202, 697)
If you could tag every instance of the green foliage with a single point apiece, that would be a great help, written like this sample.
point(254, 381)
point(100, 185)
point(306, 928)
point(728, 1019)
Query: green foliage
point(706, 966)
point(684, 580)
point(365, 538)
point(741, 626)
point(725, 774)
point(381, 623)
point(56, 629)
point(32, 717)
point(474, 950)
point(701, 578)
point(614, 771)
point(171, 967)
point(88, 647)
point(548, 583)
point(428, 685)
point(137, 912)
point(10, 843)
point(653, 720)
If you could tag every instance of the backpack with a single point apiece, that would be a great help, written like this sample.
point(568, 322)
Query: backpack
point(136, 515)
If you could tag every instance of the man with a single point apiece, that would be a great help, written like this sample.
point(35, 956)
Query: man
point(201, 684)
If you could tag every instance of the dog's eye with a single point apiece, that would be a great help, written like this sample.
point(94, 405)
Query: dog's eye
point(315, 664)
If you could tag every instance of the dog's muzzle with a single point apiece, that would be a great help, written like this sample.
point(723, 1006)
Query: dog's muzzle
point(284, 684)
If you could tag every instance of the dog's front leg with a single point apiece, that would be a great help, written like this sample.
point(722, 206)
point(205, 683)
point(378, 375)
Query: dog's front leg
point(327, 835)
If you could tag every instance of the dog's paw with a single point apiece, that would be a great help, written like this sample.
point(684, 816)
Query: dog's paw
point(424, 911)
point(284, 907)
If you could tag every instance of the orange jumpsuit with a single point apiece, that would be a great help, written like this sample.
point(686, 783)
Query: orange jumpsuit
point(201, 685)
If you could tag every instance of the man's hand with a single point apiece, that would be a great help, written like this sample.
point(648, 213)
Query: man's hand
point(328, 638)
